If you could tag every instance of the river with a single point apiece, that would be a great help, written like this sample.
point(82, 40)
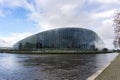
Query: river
point(51, 66)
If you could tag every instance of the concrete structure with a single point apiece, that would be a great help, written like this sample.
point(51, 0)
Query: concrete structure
point(62, 38)
point(112, 72)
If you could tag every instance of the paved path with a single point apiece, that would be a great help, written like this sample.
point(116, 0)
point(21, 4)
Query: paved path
point(112, 72)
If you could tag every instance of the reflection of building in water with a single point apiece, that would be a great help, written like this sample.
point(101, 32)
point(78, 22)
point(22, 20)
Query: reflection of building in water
point(62, 38)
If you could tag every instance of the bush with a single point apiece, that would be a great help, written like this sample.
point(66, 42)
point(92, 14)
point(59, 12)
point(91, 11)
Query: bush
point(105, 49)
point(96, 49)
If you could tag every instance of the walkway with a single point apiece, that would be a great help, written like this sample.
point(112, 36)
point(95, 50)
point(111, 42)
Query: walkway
point(112, 72)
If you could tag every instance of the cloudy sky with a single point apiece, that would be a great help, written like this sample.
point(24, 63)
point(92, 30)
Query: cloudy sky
point(21, 18)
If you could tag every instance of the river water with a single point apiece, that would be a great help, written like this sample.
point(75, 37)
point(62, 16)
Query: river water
point(51, 66)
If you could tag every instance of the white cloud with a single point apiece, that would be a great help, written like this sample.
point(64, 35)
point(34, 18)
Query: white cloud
point(9, 3)
point(9, 41)
point(106, 32)
point(2, 42)
point(68, 8)
point(104, 14)
point(55, 14)
point(105, 1)
point(109, 43)
point(1, 14)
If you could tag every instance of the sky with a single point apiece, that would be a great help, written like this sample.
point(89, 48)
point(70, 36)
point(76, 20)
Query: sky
point(22, 18)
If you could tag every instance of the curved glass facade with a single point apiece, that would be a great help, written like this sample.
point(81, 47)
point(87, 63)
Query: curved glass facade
point(62, 38)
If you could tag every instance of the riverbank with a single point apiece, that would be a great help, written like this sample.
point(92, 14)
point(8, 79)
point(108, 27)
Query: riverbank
point(56, 52)
point(112, 72)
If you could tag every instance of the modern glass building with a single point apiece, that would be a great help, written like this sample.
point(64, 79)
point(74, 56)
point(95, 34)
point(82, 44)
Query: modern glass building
point(62, 38)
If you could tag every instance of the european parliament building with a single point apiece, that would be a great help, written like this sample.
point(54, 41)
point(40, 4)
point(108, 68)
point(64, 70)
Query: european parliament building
point(62, 38)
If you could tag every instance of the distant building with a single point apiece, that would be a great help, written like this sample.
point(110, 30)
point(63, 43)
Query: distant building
point(62, 38)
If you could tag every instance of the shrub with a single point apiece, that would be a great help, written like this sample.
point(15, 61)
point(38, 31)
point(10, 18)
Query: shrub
point(105, 49)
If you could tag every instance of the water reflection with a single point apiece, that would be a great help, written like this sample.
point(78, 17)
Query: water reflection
point(8, 61)
point(51, 67)
point(103, 59)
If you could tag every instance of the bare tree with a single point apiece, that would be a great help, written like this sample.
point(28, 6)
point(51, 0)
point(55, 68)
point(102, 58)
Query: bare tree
point(117, 30)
